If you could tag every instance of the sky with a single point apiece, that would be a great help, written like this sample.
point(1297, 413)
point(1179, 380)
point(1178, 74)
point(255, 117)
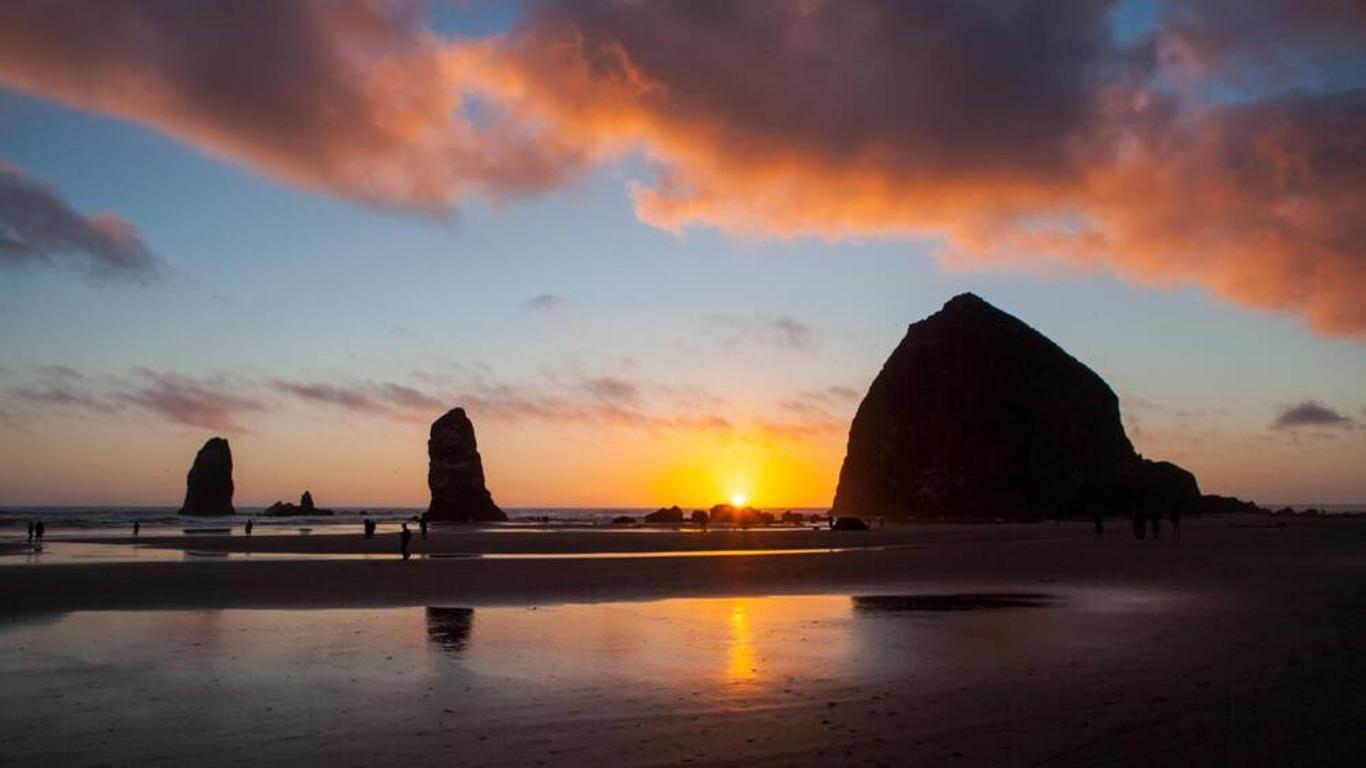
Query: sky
point(659, 250)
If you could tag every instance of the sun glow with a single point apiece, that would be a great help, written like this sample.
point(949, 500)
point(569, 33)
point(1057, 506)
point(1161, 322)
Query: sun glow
point(737, 499)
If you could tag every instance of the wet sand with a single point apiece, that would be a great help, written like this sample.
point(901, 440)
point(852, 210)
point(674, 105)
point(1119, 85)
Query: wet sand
point(981, 645)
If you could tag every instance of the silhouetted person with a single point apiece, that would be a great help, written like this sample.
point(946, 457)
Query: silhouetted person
point(422, 526)
point(38, 530)
point(1176, 523)
point(249, 526)
point(137, 527)
point(404, 537)
point(1100, 524)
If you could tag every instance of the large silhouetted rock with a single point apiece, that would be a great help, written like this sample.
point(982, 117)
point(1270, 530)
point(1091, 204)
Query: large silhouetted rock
point(977, 415)
point(456, 474)
point(208, 487)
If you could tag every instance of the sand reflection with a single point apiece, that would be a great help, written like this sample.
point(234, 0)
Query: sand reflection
point(448, 629)
point(741, 654)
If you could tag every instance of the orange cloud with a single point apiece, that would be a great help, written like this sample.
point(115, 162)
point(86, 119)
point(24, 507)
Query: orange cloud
point(355, 98)
point(1015, 134)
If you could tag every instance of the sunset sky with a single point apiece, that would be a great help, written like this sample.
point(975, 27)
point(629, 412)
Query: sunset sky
point(659, 250)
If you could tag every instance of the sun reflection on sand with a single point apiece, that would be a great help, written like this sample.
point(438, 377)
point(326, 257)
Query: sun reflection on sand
point(740, 653)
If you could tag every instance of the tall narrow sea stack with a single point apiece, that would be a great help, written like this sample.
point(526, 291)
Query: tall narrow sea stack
point(456, 473)
point(208, 487)
point(977, 415)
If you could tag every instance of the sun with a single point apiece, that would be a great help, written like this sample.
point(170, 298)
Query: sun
point(737, 499)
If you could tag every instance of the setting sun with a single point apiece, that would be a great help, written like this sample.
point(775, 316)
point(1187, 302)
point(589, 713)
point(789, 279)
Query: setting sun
point(737, 499)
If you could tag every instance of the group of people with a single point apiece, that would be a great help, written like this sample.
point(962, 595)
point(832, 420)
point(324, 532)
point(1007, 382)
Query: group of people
point(36, 529)
point(1142, 522)
point(405, 536)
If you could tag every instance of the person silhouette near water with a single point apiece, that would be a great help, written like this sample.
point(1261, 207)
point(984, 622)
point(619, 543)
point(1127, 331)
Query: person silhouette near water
point(38, 530)
point(404, 537)
point(422, 525)
point(249, 526)
point(137, 527)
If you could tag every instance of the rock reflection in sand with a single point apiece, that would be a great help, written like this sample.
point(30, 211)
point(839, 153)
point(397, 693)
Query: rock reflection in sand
point(449, 628)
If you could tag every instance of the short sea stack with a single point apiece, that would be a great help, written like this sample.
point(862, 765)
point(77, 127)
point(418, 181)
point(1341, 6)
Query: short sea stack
point(455, 473)
point(208, 487)
point(977, 415)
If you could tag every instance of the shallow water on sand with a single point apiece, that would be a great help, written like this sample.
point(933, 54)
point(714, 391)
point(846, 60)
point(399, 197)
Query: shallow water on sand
point(664, 681)
point(60, 552)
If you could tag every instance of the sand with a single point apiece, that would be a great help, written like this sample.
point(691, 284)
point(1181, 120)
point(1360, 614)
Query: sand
point(1240, 644)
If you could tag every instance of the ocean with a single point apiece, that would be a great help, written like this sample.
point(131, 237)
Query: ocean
point(118, 521)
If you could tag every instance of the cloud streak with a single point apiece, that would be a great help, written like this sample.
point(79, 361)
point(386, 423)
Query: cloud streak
point(545, 303)
point(212, 402)
point(606, 402)
point(385, 398)
point(38, 227)
point(1223, 149)
point(1311, 413)
point(208, 403)
point(777, 331)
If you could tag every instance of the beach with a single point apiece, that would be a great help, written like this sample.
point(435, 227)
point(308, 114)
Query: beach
point(1018, 644)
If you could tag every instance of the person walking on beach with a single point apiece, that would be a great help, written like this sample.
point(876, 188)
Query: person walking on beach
point(369, 527)
point(404, 537)
point(38, 530)
point(249, 526)
point(422, 525)
point(137, 527)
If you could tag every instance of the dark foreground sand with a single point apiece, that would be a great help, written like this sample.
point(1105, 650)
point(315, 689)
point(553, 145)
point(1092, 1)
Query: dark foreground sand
point(1239, 645)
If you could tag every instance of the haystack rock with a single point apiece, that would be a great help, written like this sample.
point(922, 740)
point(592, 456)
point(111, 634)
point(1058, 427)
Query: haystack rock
point(456, 474)
point(977, 415)
point(208, 487)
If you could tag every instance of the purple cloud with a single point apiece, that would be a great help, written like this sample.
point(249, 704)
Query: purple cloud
point(37, 227)
point(1311, 413)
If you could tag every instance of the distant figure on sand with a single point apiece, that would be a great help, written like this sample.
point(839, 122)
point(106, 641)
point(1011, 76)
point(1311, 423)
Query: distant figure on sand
point(1100, 524)
point(249, 526)
point(369, 526)
point(422, 525)
point(38, 530)
point(1176, 523)
point(137, 527)
point(405, 536)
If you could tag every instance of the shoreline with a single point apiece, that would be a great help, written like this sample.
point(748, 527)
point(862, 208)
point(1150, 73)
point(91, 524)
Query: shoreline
point(1212, 554)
